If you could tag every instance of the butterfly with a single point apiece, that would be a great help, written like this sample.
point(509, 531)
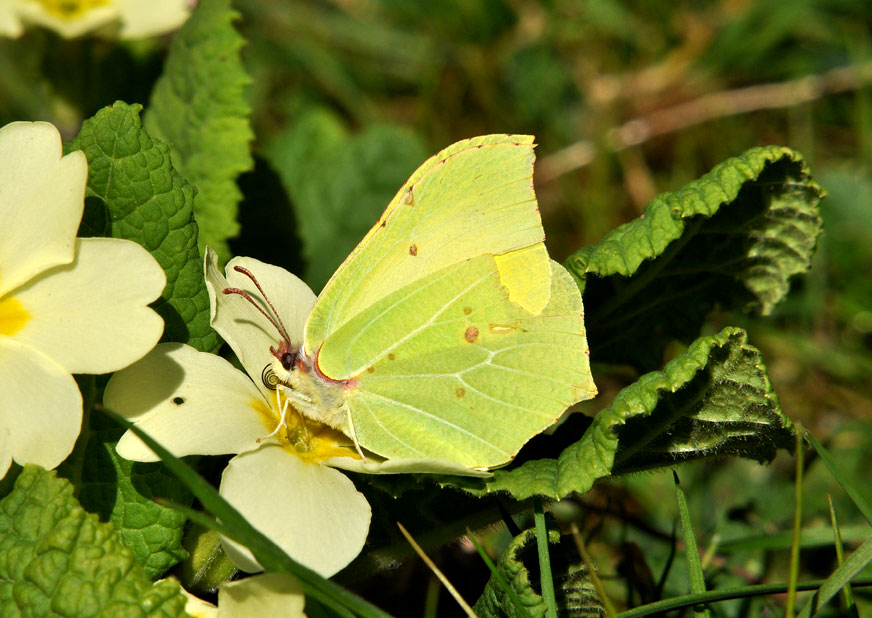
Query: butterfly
point(448, 333)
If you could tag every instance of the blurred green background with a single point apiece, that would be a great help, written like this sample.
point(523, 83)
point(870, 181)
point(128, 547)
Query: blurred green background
point(626, 100)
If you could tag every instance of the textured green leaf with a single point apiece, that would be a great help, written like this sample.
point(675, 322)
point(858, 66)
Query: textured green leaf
point(519, 567)
point(735, 237)
point(340, 185)
point(134, 193)
point(58, 560)
point(715, 399)
point(199, 106)
point(121, 491)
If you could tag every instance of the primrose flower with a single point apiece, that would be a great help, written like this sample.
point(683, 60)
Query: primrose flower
point(67, 305)
point(283, 478)
point(271, 594)
point(198, 403)
point(75, 18)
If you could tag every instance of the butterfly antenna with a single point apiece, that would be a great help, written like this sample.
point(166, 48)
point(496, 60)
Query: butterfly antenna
point(280, 326)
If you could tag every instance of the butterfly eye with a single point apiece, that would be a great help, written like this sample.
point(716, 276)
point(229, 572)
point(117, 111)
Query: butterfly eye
point(288, 360)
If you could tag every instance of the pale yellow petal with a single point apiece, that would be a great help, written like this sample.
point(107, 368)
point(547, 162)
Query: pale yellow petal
point(143, 18)
point(10, 25)
point(70, 26)
point(5, 451)
point(40, 406)
point(42, 195)
point(198, 608)
point(193, 403)
point(312, 512)
point(276, 595)
point(245, 329)
point(92, 315)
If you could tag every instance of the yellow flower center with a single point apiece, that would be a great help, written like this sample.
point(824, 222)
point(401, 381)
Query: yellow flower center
point(70, 9)
point(310, 440)
point(13, 316)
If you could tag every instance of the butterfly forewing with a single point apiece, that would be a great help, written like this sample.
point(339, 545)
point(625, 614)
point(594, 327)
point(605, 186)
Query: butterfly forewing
point(474, 198)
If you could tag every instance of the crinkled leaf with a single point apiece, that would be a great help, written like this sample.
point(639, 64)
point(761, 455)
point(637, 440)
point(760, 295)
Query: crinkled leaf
point(199, 106)
point(134, 193)
point(715, 399)
point(122, 492)
point(519, 568)
point(340, 185)
point(58, 560)
point(735, 237)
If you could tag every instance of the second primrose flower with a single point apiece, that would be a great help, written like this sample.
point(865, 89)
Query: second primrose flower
point(198, 403)
point(68, 305)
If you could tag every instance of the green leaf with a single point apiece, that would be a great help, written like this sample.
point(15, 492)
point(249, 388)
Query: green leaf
point(199, 106)
point(519, 567)
point(134, 193)
point(58, 560)
point(340, 185)
point(735, 237)
point(122, 492)
point(715, 399)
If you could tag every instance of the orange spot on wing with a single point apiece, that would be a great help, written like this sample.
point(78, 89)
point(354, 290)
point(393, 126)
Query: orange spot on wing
point(391, 356)
point(460, 392)
point(370, 369)
point(467, 310)
point(471, 334)
point(413, 249)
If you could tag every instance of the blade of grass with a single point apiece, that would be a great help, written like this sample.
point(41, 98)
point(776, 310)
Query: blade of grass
point(694, 564)
point(858, 499)
point(432, 565)
point(431, 599)
point(501, 582)
point(235, 526)
point(839, 578)
point(547, 580)
point(796, 542)
point(840, 557)
point(592, 573)
point(727, 594)
point(710, 552)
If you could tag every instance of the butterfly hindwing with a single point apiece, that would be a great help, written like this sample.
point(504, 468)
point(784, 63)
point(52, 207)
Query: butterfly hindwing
point(449, 368)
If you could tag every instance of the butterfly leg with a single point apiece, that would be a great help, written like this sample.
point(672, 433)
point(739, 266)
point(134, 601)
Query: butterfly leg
point(354, 435)
point(283, 407)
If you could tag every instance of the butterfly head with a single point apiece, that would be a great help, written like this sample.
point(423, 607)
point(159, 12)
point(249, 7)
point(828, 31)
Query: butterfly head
point(286, 356)
point(286, 359)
